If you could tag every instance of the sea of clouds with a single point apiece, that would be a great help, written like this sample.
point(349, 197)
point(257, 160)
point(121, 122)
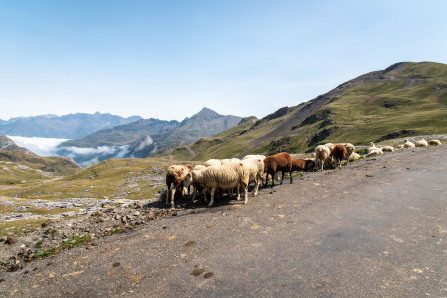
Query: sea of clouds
point(84, 156)
point(40, 146)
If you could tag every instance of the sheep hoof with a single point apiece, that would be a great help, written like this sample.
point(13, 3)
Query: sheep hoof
point(209, 205)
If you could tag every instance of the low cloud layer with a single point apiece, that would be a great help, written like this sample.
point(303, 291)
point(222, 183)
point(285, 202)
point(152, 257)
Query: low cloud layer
point(84, 156)
point(40, 146)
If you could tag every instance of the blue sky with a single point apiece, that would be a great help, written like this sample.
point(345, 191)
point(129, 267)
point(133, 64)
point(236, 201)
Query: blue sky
point(169, 59)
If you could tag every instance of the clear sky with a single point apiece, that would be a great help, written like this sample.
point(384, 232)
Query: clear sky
point(168, 59)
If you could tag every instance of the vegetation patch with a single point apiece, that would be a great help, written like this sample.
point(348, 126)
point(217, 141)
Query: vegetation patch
point(75, 241)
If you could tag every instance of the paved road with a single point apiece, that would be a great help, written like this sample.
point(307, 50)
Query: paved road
point(377, 227)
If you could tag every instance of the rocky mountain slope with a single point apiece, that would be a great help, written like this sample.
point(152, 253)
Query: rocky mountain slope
point(406, 99)
point(146, 136)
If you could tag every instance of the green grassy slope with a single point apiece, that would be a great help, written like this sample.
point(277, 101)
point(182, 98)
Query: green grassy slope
point(405, 99)
point(129, 178)
point(17, 166)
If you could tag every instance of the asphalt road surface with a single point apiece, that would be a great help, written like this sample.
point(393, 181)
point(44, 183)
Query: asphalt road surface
point(377, 227)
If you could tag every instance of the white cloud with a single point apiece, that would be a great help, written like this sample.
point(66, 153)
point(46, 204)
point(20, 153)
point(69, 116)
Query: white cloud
point(40, 146)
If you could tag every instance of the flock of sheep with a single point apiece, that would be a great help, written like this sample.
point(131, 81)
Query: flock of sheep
point(236, 173)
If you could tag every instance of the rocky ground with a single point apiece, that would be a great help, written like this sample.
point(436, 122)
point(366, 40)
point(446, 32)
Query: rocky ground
point(99, 218)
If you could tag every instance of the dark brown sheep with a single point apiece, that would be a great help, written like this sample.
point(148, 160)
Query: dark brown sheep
point(300, 165)
point(339, 153)
point(281, 162)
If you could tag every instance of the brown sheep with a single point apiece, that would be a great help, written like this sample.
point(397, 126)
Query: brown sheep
point(276, 163)
point(339, 153)
point(175, 178)
point(300, 165)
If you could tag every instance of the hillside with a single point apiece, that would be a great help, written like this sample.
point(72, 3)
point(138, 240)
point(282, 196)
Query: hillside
point(406, 99)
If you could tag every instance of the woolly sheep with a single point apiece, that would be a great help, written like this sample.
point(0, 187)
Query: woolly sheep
point(421, 143)
point(300, 165)
point(256, 168)
point(228, 160)
point(355, 155)
point(177, 176)
point(387, 148)
point(350, 148)
point(260, 156)
point(281, 162)
point(409, 144)
point(373, 150)
point(434, 142)
point(330, 146)
point(224, 176)
point(322, 153)
point(196, 186)
point(339, 153)
point(212, 162)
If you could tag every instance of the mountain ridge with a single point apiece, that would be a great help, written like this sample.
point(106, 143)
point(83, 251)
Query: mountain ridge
point(145, 137)
point(406, 98)
point(67, 126)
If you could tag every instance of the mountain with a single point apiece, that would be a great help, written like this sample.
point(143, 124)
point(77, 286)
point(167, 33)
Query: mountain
point(144, 137)
point(405, 99)
point(70, 126)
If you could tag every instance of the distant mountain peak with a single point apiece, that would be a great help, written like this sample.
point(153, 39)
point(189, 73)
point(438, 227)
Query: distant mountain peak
point(206, 113)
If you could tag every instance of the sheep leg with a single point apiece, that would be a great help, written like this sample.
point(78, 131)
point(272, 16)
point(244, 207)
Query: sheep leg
point(168, 194)
point(245, 189)
point(238, 193)
point(173, 189)
point(204, 195)
point(291, 177)
point(212, 197)
point(282, 177)
point(255, 190)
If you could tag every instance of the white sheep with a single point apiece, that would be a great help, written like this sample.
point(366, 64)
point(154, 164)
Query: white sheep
point(256, 168)
point(322, 153)
point(330, 146)
point(350, 148)
point(260, 156)
point(225, 176)
point(434, 142)
point(228, 160)
point(373, 150)
point(196, 186)
point(421, 143)
point(355, 156)
point(212, 162)
point(199, 167)
point(409, 144)
point(387, 148)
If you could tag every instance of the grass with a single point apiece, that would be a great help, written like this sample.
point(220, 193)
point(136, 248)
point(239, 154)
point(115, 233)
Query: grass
point(46, 253)
point(20, 227)
point(75, 241)
point(113, 178)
